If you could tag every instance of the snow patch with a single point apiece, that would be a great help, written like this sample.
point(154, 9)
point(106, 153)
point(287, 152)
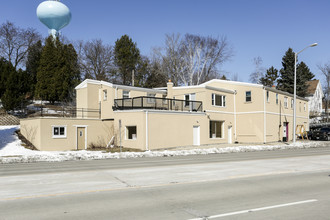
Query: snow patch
point(12, 151)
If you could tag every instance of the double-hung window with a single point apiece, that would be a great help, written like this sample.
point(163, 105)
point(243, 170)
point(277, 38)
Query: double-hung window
point(218, 100)
point(125, 94)
point(248, 96)
point(285, 102)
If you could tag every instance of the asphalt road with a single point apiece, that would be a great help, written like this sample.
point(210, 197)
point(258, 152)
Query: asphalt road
point(290, 184)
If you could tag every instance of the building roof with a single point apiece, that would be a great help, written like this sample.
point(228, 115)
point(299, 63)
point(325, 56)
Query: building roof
point(312, 85)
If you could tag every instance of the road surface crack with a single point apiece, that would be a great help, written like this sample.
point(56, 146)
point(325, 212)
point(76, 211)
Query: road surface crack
point(124, 182)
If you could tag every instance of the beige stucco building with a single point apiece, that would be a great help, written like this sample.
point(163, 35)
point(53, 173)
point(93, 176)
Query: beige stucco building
point(215, 112)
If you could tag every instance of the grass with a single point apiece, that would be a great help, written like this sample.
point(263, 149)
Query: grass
point(115, 149)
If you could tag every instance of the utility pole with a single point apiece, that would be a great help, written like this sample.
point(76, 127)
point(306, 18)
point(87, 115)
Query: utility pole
point(132, 77)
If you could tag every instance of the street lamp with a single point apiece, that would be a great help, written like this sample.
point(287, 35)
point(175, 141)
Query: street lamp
point(295, 88)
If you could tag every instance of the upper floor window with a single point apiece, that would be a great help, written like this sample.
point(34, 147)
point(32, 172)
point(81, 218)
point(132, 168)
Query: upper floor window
point(105, 95)
point(218, 100)
point(285, 102)
point(248, 96)
point(125, 94)
point(291, 103)
point(151, 99)
point(186, 98)
point(276, 98)
point(267, 95)
point(304, 106)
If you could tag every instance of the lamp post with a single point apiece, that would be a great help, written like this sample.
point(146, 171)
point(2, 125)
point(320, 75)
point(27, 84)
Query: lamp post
point(295, 88)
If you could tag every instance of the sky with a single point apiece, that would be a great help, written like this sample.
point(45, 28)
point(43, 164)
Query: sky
point(254, 28)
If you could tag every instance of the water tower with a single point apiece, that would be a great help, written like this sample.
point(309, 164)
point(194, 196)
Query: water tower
point(55, 15)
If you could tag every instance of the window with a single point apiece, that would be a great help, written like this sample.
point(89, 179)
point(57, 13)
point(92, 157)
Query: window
point(248, 97)
point(267, 94)
point(59, 131)
point(291, 103)
point(276, 99)
point(300, 106)
point(151, 99)
point(131, 133)
point(125, 94)
point(304, 106)
point(105, 95)
point(186, 98)
point(216, 128)
point(285, 102)
point(218, 100)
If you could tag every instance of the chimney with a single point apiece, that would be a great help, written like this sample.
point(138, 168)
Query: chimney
point(169, 90)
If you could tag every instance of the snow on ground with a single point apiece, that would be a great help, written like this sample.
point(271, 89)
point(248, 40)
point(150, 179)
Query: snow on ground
point(11, 150)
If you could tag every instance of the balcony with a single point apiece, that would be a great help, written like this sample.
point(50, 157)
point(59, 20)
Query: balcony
point(144, 102)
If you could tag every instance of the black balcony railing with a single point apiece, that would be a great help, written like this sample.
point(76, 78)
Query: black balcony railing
point(144, 102)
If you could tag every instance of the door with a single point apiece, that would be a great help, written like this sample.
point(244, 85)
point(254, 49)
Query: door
point(81, 139)
point(285, 131)
point(229, 135)
point(196, 135)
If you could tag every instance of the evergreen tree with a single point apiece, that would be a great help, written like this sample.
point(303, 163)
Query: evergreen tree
point(32, 64)
point(16, 89)
point(48, 68)
point(126, 58)
point(270, 78)
point(286, 80)
point(303, 74)
point(58, 72)
point(6, 69)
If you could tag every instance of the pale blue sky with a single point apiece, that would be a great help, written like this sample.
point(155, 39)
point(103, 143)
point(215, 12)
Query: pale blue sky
point(253, 27)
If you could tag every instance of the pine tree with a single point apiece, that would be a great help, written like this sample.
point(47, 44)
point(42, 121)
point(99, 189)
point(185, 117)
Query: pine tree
point(32, 64)
point(126, 57)
point(6, 68)
point(286, 80)
point(58, 72)
point(270, 78)
point(303, 74)
point(16, 89)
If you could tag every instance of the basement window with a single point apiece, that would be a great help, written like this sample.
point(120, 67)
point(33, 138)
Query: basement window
point(59, 131)
point(131, 132)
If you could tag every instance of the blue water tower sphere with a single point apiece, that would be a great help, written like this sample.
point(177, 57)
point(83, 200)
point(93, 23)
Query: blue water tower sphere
point(54, 14)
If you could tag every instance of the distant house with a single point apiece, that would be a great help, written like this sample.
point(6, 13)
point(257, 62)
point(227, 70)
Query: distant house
point(314, 96)
point(215, 112)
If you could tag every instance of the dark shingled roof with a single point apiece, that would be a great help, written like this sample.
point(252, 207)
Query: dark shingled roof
point(312, 85)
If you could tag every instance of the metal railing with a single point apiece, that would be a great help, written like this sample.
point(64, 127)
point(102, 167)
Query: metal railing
point(145, 102)
point(61, 111)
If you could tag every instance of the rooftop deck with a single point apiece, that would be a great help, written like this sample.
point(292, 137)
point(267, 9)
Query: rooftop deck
point(144, 102)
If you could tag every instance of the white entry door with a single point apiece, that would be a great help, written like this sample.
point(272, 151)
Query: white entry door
point(230, 135)
point(196, 135)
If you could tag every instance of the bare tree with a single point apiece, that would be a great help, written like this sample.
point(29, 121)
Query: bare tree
point(194, 59)
point(15, 41)
point(95, 59)
point(325, 69)
point(259, 70)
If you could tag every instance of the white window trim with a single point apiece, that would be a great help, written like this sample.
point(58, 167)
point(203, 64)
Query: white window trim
point(285, 102)
point(222, 130)
point(247, 96)
point(223, 104)
point(105, 95)
point(81, 126)
point(59, 136)
point(129, 94)
point(126, 134)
